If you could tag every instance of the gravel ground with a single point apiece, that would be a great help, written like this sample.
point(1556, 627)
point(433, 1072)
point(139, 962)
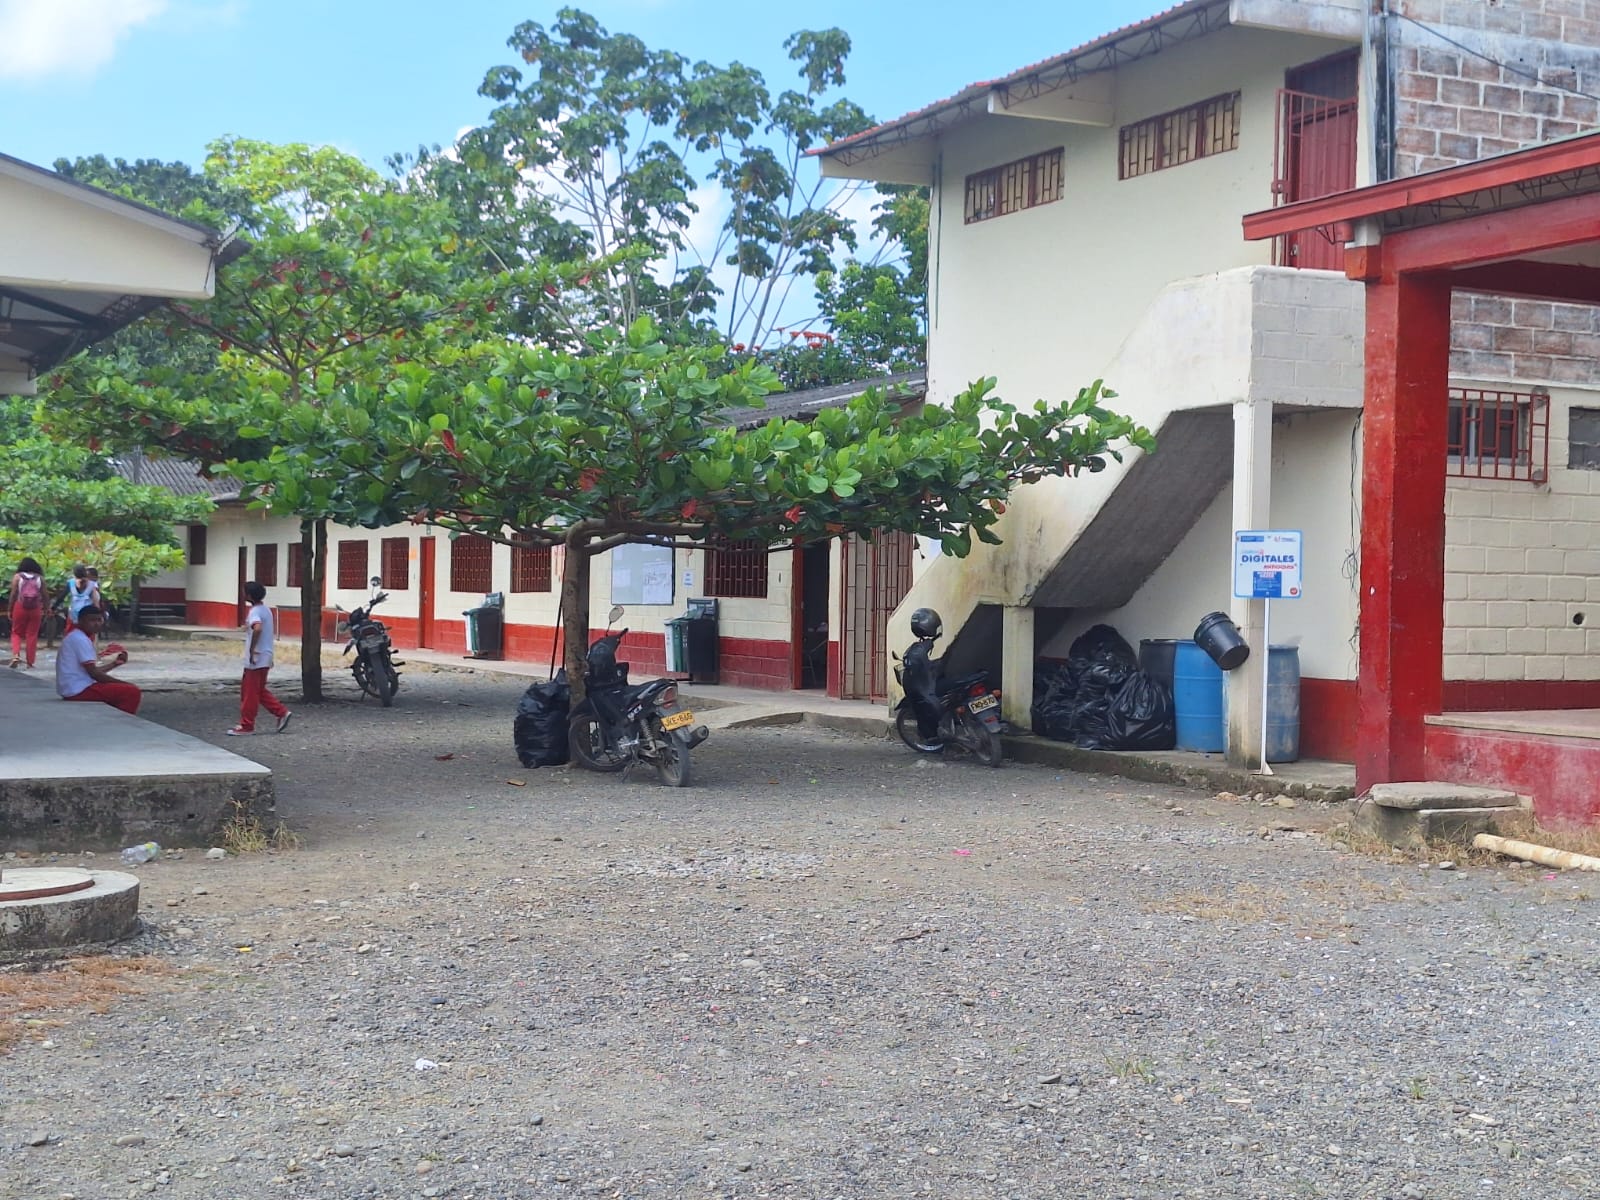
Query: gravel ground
point(829, 969)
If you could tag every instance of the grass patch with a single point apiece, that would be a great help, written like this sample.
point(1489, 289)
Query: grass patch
point(1244, 905)
point(244, 833)
point(40, 998)
point(1132, 1068)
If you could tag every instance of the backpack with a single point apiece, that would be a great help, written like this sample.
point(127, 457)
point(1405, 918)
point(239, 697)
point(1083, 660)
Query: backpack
point(30, 591)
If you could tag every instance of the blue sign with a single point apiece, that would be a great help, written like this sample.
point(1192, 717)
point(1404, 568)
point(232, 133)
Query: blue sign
point(1266, 564)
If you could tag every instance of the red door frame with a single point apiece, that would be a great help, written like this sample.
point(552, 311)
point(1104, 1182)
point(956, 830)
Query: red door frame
point(425, 601)
point(797, 624)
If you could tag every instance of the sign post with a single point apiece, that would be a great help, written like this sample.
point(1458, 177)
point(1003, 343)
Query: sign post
point(1266, 567)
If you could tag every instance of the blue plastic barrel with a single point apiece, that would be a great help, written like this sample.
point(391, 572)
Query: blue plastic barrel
point(1197, 700)
point(1283, 704)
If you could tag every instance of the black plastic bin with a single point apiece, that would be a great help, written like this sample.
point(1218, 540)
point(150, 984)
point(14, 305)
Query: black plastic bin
point(701, 641)
point(486, 627)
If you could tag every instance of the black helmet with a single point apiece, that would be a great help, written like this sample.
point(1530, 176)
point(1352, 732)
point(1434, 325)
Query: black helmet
point(926, 623)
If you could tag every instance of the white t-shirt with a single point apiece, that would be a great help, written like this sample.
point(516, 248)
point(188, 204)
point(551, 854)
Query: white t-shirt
point(263, 658)
point(76, 650)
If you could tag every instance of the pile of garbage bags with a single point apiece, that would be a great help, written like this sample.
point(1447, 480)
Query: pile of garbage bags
point(1099, 699)
point(540, 730)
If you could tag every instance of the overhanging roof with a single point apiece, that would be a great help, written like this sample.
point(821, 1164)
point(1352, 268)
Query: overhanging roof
point(78, 263)
point(908, 386)
point(1540, 174)
point(1008, 94)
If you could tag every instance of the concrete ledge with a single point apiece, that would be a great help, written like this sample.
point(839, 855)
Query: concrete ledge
point(1327, 783)
point(1416, 796)
point(1416, 826)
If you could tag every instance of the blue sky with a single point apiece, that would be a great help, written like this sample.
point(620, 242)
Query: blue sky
point(160, 78)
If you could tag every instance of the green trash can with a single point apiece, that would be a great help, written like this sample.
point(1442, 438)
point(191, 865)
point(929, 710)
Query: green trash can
point(677, 646)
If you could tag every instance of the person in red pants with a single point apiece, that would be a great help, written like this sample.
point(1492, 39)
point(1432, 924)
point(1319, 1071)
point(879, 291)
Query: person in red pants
point(81, 674)
point(27, 611)
point(253, 691)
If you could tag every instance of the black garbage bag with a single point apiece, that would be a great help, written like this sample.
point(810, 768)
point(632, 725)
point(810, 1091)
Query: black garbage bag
point(1054, 687)
point(540, 730)
point(1101, 643)
point(1142, 716)
point(1091, 708)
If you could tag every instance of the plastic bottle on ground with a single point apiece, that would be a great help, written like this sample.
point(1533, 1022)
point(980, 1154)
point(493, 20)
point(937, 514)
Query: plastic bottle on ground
point(141, 853)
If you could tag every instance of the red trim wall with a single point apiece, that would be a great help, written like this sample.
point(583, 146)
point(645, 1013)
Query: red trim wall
point(161, 595)
point(211, 613)
point(1328, 707)
point(1561, 774)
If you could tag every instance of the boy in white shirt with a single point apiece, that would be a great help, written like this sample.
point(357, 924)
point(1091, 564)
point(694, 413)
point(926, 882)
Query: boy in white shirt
point(253, 691)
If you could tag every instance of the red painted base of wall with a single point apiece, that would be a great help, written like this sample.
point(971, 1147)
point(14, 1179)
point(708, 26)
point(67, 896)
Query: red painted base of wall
point(1561, 774)
point(1328, 708)
point(211, 613)
point(162, 595)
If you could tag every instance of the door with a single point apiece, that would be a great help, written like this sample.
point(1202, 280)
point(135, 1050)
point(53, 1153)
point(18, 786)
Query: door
point(425, 560)
point(1317, 123)
point(810, 618)
point(875, 577)
point(239, 606)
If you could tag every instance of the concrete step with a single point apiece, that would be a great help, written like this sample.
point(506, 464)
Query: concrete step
point(1415, 796)
point(1416, 826)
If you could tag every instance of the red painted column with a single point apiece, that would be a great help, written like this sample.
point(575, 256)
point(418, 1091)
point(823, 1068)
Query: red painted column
point(1402, 524)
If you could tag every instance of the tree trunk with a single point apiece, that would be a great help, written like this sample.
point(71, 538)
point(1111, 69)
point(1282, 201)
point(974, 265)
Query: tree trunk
point(575, 610)
point(313, 563)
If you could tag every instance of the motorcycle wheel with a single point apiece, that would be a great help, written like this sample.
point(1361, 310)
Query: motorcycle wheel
point(672, 755)
point(388, 684)
point(905, 724)
point(587, 740)
point(981, 740)
point(358, 669)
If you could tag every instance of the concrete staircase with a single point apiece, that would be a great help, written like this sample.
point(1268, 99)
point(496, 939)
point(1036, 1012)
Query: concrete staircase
point(1411, 814)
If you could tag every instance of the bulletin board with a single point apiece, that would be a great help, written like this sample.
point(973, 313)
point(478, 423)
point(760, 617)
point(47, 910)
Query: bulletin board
point(641, 573)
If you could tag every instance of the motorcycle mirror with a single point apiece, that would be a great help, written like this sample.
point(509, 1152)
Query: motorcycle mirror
point(616, 614)
point(894, 654)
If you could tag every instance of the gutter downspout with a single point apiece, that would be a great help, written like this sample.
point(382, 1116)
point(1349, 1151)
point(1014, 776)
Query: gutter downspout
point(1379, 57)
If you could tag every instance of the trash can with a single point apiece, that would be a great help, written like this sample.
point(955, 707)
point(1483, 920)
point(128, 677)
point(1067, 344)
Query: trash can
point(700, 646)
point(486, 627)
point(677, 646)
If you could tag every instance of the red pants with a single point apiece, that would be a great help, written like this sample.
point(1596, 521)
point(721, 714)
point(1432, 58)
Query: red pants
point(254, 694)
point(25, 624)
point(119, 695)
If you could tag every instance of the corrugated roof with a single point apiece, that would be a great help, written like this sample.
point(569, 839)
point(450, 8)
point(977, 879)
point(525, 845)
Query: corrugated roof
point(975, 91)
point(178, 475)
point(803, 404)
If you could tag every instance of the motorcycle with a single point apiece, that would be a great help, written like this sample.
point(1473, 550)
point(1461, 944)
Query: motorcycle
point(374, 664)
point(934, 711)
point(618, 725)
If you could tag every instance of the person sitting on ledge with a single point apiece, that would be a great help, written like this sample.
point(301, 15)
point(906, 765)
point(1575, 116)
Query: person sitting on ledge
point(81, 674)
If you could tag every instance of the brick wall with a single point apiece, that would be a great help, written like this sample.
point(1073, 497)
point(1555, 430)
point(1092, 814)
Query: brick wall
point(1522, 570)
point(1453, 106)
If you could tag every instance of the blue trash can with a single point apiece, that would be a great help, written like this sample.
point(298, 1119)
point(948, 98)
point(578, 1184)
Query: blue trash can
point(1197, 700)
point(1283, 704)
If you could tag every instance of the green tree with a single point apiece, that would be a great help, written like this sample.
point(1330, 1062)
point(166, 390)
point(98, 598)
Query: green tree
point(346, 280)
point(632, 440)
point(63, 504)
point(627, 142)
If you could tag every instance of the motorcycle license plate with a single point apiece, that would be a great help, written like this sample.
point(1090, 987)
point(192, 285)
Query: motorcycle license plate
point(980, 704)
point(678, 720)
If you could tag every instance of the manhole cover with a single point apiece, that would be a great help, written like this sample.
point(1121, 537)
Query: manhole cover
point(32, 883)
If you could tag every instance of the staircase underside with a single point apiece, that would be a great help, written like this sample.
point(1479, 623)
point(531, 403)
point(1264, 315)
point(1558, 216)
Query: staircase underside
point(1144, 519)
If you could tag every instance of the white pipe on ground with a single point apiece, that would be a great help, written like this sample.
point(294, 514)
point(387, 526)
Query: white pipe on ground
point(1566, 860)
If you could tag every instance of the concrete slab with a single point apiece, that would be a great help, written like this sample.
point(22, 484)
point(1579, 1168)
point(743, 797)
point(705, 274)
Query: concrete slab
point(87, 777)
point(1417, 826)
point(1413, 796)
point(1554, 722)
point(107, 910)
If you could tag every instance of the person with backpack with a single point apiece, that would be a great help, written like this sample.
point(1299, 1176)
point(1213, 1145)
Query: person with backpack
point(82, 592)
point(27, 611)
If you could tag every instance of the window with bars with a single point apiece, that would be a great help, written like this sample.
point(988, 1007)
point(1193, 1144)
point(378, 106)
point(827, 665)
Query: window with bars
point(267, 564)
point(197, 545)
point(396, 571)
point(1499, 435)
point(353, 565)
point(530, 569)
point(1183, 135)
point(472, 564)
point(1583, 439)
point(737, 570)
point(297, 565)
point(1010, 188)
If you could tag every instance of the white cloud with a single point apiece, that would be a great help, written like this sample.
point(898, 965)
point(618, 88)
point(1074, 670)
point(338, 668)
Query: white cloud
point(77, 37)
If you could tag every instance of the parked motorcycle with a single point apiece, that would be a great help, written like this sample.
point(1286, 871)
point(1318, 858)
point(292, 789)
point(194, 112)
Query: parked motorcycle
point(374, 664)
point(935, 712)
point(618, 724)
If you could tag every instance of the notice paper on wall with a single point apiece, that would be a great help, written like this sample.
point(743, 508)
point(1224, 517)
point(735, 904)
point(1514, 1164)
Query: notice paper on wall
point(641, 574)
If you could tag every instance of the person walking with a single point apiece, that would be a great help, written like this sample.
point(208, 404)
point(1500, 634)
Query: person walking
point(27, 611)
point(253, 691)
point(82, 592)
point(81, 674)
